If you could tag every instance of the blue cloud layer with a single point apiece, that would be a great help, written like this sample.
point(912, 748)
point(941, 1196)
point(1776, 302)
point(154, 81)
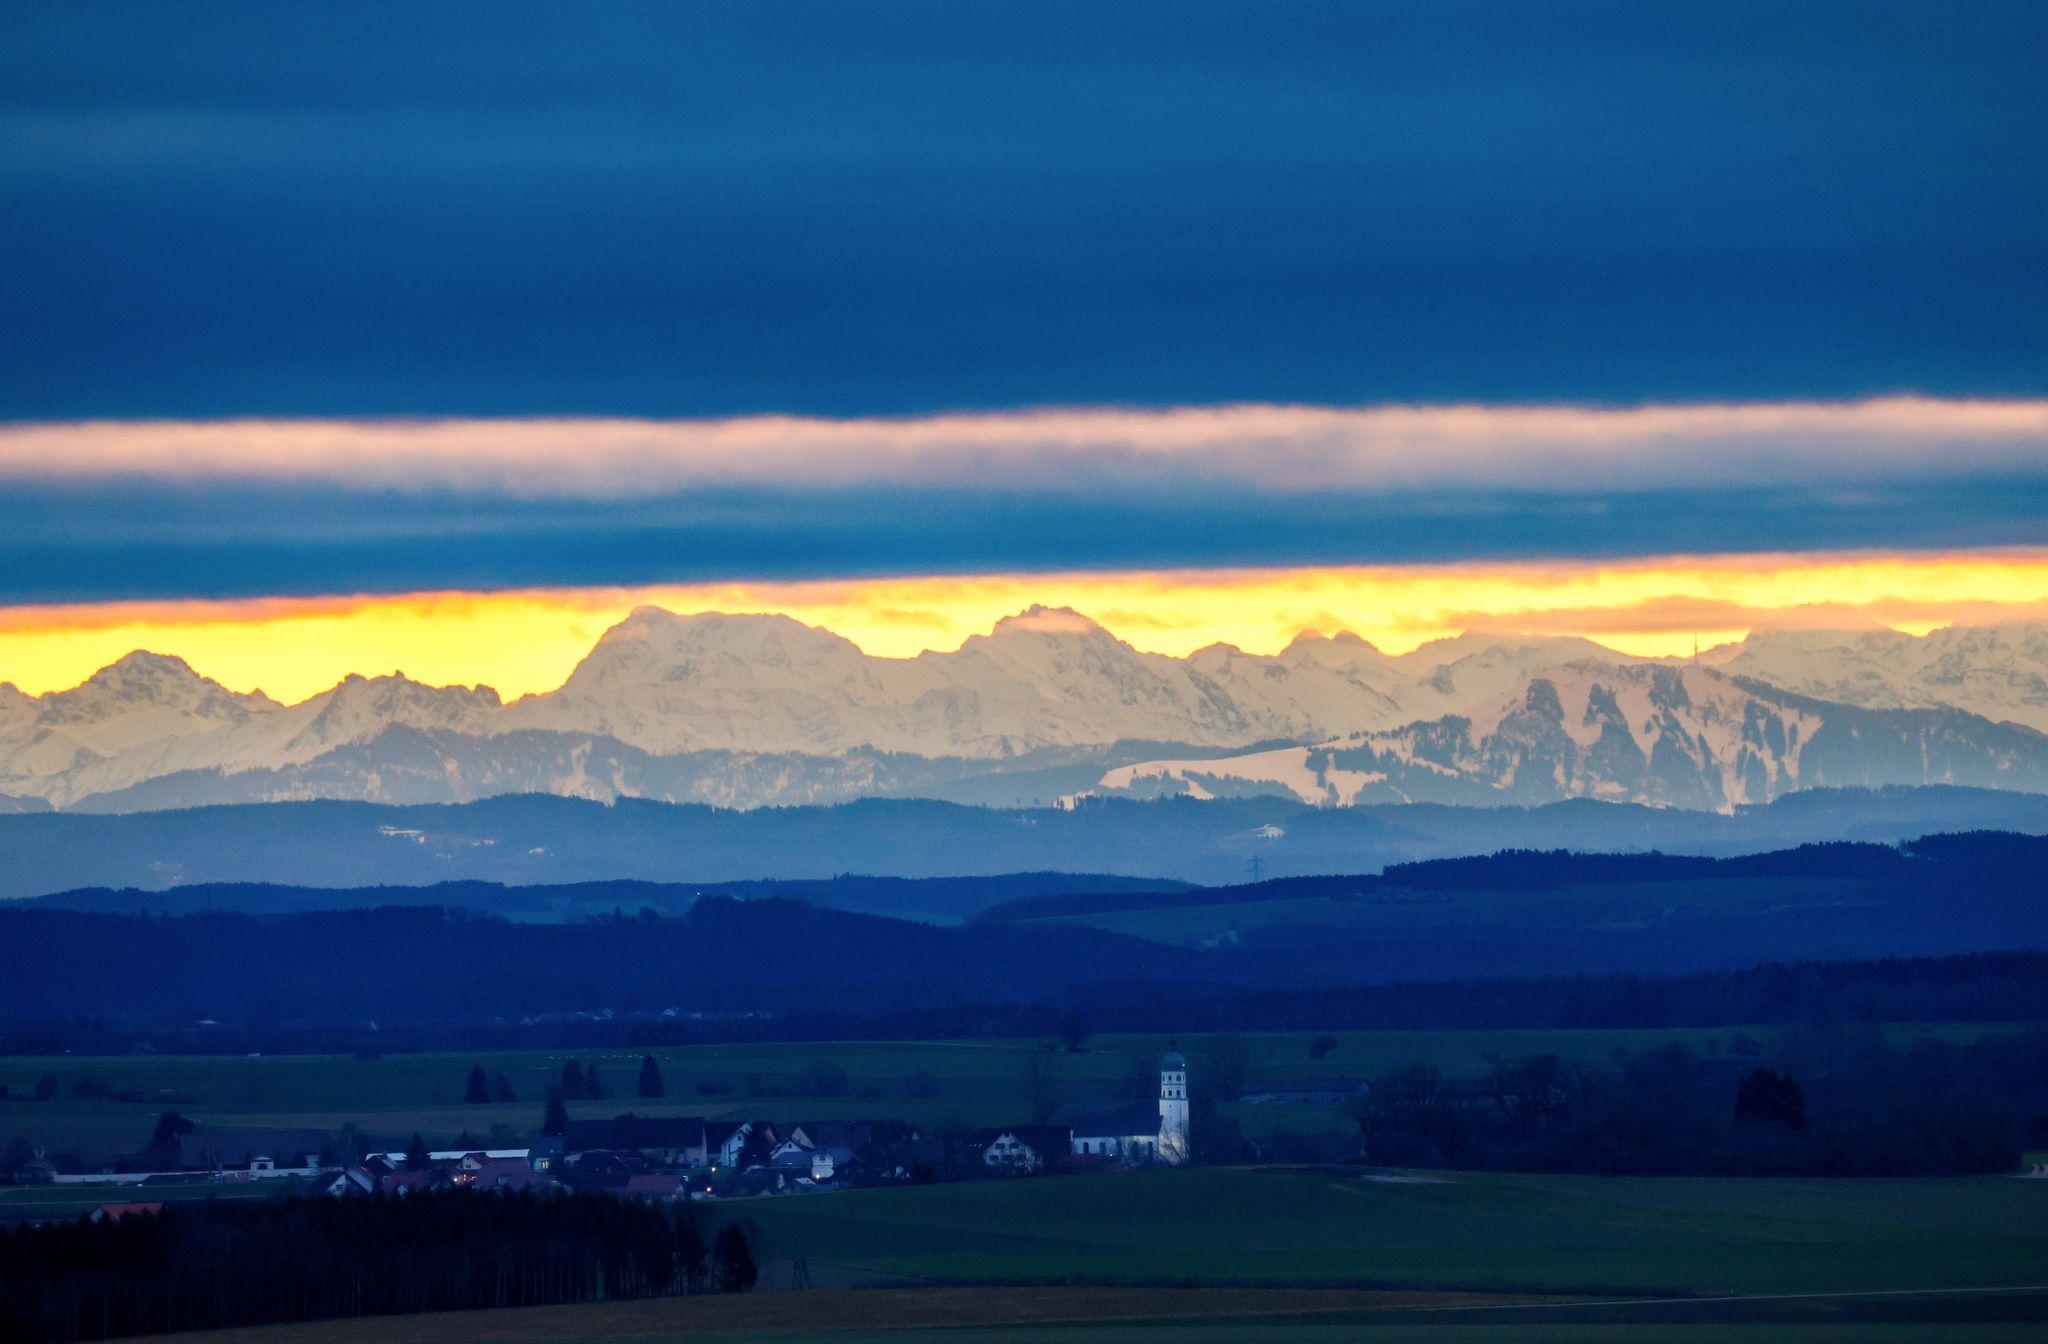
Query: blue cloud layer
point(224, 540)
point(843, 208)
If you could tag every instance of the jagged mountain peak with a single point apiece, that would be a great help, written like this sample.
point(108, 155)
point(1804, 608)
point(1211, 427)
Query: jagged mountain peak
point(1055, 622)
point(144, 675)
point(390, 687)
point(144, 681)
point(1342, 648)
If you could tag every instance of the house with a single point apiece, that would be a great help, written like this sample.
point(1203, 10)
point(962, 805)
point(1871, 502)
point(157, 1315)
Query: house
point(728, 1142)
point(451, 1155)
point(114, 1213)
point(654, 1185)
point(407, 1182)
point(266, 1168)
point(858, 1135)
point(832, 1164)
point(601, 1169)
point(477, 1172)
point(1018, 1149)
point(1308, 1092)
point(354, 1181)
point(219, 1149)
point(670, 1140)
point(35, 1169)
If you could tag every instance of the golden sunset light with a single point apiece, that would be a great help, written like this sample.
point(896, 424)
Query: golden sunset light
point(526, 641)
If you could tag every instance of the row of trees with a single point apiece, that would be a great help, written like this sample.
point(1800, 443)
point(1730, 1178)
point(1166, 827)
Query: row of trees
point(580, 1082)
point(1855, 1108)
point(484, 1088)
point(229, 1264)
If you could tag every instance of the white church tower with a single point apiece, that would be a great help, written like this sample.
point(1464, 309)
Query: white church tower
point(1173, 1106)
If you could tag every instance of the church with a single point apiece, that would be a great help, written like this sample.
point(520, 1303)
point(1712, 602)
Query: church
point(1139, 1133)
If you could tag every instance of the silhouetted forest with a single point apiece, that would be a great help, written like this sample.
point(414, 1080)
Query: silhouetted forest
point(2002, 858)
point(209, 1266)
point(1576, 926)
point(936, 898)
point(1985, 987)
point(1825, 1103)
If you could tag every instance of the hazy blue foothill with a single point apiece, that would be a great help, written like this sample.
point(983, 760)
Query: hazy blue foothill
point(535, 839)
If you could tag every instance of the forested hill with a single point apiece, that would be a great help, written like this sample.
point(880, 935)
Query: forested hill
point(527, 840)
point(423, 963)
point(1515, 915)
point(934, 899)
point(1989, 860)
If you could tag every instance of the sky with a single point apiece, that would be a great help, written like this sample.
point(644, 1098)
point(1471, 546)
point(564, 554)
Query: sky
point(436, 337)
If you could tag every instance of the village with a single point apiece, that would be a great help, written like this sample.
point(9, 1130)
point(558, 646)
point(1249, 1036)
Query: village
point(638, 1157)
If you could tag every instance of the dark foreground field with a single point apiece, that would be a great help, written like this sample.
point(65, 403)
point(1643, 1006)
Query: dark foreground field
point(1315, 1255)
point(1064, 1315)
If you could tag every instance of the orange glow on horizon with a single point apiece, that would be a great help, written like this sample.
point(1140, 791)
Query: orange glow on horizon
point(526, 641)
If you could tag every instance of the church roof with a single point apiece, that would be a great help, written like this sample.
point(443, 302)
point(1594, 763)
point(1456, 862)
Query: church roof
point(1116, 1122)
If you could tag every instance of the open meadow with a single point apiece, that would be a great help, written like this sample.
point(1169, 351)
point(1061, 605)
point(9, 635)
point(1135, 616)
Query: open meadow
point(99, 1107)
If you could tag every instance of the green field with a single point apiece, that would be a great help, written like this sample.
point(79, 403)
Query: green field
point(950, 1083)
point(1307, 1256)
point(1585, 1234)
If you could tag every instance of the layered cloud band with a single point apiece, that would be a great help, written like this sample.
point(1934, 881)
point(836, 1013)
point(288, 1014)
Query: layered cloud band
point(1266, 448)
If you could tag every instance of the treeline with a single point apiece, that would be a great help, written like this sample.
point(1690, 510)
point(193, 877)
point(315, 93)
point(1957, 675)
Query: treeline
point(211, 1266)
point(901, 897)
point(433, 964)
point(1515, 915)
point(1839, 1103)
point(1983, 856)
point(1980, 987)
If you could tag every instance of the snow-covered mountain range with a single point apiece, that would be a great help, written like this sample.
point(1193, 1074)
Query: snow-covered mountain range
point(749, 709)
point(1680, 736)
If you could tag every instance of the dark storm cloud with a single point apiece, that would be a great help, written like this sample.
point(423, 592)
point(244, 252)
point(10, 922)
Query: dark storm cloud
point(846, 208)
point(56, 544)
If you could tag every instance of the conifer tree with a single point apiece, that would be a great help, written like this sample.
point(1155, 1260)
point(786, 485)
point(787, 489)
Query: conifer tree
point(732, 1260)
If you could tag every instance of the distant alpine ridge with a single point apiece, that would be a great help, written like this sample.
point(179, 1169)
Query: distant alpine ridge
point(745, 710)
point(1673, 736)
